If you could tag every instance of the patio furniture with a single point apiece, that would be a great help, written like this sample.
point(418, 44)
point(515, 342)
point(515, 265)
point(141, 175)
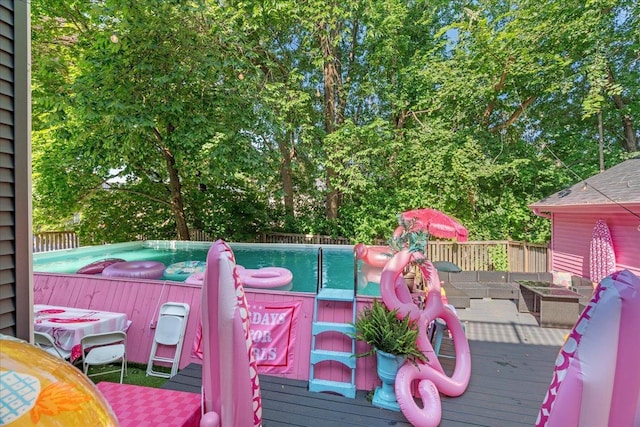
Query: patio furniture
point(555, 306)
point(67, 325)
point(104, 349)
point(46, 342)
point(170, 329)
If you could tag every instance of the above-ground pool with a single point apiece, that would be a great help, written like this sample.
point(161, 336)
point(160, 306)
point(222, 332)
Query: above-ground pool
point(302, 260)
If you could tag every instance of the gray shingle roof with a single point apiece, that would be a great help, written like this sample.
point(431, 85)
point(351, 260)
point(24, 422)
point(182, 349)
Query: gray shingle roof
point(618, 185)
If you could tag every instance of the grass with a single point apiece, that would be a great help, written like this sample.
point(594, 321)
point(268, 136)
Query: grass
point(136, 375)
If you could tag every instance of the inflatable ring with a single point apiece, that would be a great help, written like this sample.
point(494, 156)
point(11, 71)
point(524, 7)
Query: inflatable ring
point(195, 278)
point(138, 269)
point(181, 270)
point(266, 278)
point(36, 382)
point(98, 266)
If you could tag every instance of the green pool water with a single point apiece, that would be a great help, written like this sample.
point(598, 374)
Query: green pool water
point(302, 260)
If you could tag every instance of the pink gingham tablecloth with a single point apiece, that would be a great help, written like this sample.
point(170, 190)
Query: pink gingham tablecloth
point(137, 406)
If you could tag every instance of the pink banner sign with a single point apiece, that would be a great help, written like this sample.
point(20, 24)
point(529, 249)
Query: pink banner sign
point(273, 332)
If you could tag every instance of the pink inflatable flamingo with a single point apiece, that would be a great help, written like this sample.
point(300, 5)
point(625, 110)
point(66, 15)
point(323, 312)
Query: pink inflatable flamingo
point(375, 256)
point(432, 378)
point(596, 381)
point(230, 386)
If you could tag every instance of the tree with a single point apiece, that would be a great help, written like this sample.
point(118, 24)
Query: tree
point(153, 88)
point(240, 117)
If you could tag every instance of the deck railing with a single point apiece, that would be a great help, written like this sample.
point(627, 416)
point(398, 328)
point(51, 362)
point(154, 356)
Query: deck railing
point(470, 256)
point(316, 239)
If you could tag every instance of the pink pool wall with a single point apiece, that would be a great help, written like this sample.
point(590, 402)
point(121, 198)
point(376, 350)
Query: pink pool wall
point(141, 300)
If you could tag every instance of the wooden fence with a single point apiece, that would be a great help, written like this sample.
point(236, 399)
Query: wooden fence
point(491, 255)
point(469, 256)
point(54, 240)
point(315, 239)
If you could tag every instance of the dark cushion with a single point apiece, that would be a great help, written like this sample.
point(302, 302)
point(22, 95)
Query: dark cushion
point(446, 266)
point(492, 276)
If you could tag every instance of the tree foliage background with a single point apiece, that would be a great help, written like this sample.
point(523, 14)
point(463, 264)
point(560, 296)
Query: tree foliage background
point(154, 117)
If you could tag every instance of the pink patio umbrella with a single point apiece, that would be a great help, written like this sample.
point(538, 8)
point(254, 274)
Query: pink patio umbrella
point(602, 258)
point(434, 222)
point(230, 385)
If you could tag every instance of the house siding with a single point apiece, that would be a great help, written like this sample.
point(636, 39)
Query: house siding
point(572, 230)
point(15, 171)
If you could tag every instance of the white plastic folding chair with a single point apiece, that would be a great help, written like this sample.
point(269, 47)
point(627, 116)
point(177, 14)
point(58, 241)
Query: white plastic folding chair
point(104, 349)
point(170, 330)
point(48, 344)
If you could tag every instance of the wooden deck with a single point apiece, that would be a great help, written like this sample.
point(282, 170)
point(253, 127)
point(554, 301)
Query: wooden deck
point(512, 365)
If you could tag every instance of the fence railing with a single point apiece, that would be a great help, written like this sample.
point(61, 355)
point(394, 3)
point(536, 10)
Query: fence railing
point(316, 239)
point(469, 256)
point(54, 240)
point(491, 255)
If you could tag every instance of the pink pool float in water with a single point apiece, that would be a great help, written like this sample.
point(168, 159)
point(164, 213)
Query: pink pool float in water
point(98, 266)
point(137, 269)
point(266, 278)
point(195, 278)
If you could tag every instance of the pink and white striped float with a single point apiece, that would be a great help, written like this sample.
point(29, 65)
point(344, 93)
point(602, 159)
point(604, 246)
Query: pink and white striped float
point(596, 381)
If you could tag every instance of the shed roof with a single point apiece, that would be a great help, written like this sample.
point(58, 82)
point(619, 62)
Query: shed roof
point(617, 185)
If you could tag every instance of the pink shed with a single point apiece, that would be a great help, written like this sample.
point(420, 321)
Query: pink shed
point(612, 196)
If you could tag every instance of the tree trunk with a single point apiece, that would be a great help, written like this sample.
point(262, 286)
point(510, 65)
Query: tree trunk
point(330, 78)
point(287, 152)
point(630, 141)
point(177, 207)
point(175, 188)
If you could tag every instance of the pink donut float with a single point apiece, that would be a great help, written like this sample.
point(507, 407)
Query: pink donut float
point(98, 266)
point(195, 278)
point(266, 277)
point(139, 269)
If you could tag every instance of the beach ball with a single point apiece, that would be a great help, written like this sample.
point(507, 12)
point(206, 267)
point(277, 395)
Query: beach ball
point(39, 389)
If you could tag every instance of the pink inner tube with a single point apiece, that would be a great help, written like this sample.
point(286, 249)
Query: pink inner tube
point(267, 277)
point(139, 269)
point(195, 279)
point(98, 266)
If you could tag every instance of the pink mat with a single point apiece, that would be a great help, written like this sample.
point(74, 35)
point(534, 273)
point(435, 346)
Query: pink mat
point(138, 406)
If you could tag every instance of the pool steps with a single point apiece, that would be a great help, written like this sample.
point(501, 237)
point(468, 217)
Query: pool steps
point(318, 355)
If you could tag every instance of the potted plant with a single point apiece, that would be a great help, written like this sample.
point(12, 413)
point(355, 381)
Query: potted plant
point(393, 341)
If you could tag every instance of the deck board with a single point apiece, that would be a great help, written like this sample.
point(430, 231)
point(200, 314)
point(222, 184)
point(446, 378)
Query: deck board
point(512, 362)
point(506, 388)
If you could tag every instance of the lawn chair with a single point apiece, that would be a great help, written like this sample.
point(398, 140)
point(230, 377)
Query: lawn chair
point(104, 349)
point(170, 329)
point(48, 344)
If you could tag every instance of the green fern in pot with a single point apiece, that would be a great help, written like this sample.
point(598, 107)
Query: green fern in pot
point(382, 330)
